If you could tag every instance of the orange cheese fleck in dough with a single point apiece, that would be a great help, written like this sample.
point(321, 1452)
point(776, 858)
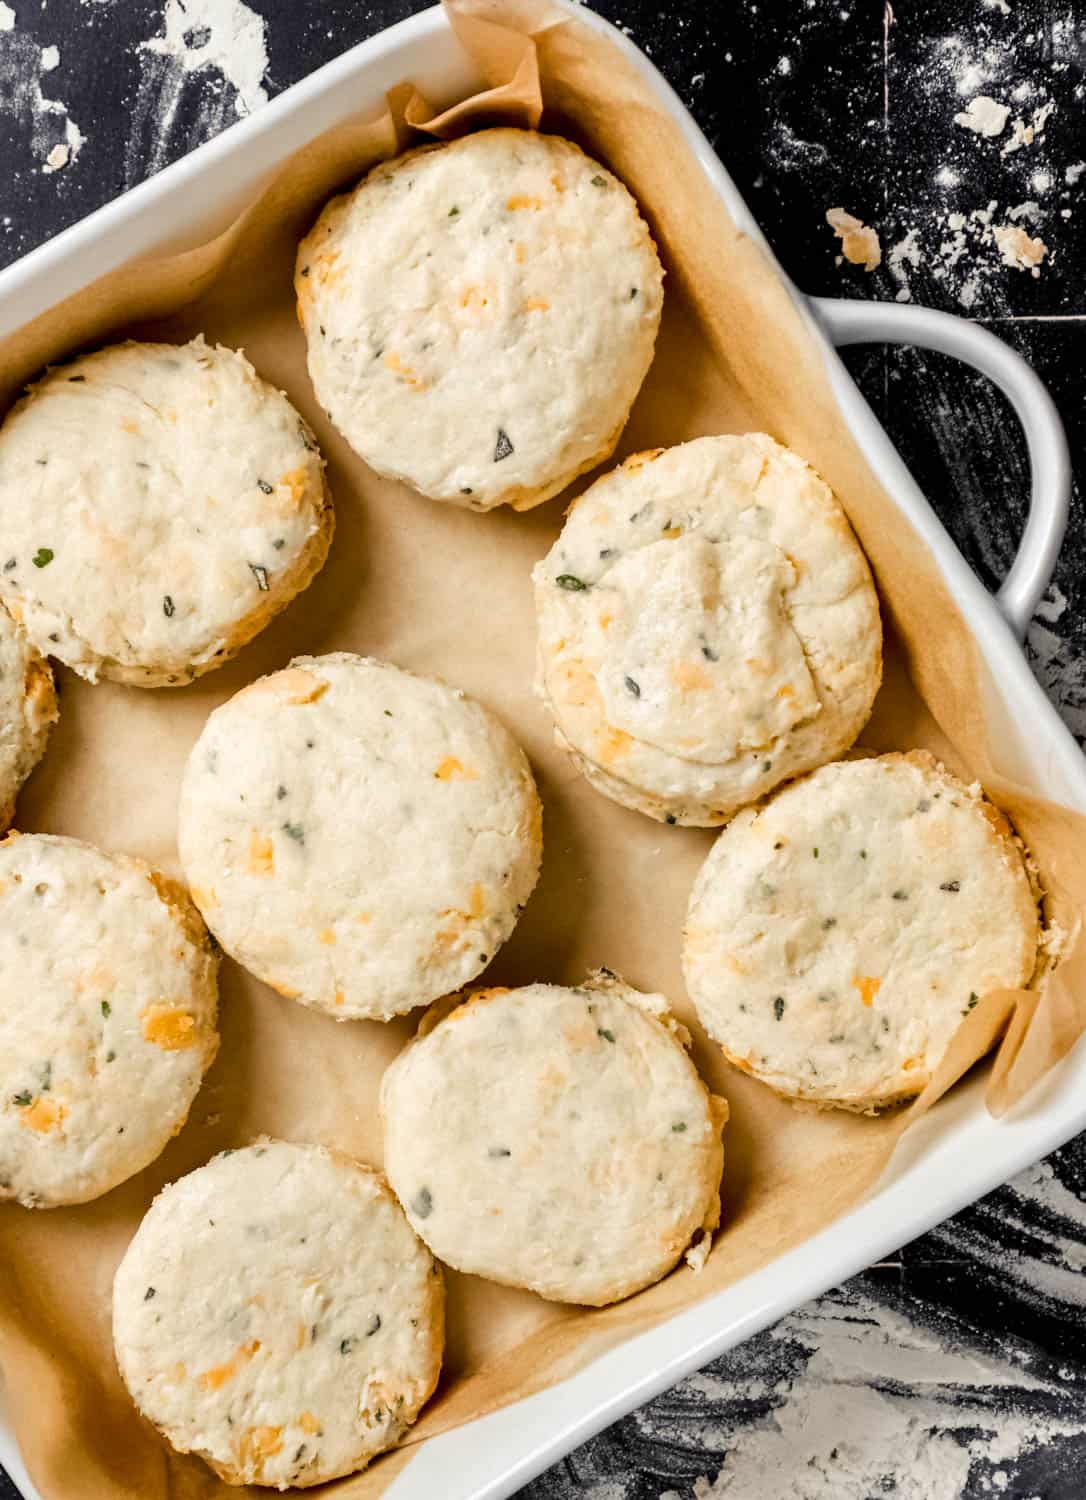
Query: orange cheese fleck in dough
point(786, 691)
point(557, 184)
point(43, 1115)
point(257, 1443)
point(297, 482)
point(205, 898)
point(450, 769)
point(328, 936)
point(613, 746)
point(300, 1339)
point(522, 200)
point(639, 460)
point(474, 298)
point(129, 426)
point(340, 997)
point(477, 904)
point(520, 253)
point(218, 1375)
point(868, 987)
point(691, 677)
point(308, 1422)
point(406, 374)
point(535, 304)
point(364, 916)
point(168, 1027)
point(671, 532)
point(606, 620)
point(261, 854)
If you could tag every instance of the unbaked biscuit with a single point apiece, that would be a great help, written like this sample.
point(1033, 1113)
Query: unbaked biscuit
point(108, 1002)
point(276, 1315)
point(480, 315)
point(708, 628)
point(360, 838)
point(556, 1139)
point(28, 711)
point(159, 504)
point(837, 935)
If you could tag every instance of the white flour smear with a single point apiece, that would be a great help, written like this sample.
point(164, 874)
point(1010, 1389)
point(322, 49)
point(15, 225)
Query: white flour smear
point(1062, 673)
point(222, 41)
point(53, 138)
point(883, 1407)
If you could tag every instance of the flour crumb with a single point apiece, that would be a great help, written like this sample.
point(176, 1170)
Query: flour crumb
point(859, 243)
point(7, 17)
point(1000, 5)
point(1018, 249)
point(50, 59)
point(984, 116)
point(1074, 172)
point(57, 158)
point(1025, 135)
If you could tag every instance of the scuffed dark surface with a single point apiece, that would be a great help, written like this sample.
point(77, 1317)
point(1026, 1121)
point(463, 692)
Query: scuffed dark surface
point(957, 1368)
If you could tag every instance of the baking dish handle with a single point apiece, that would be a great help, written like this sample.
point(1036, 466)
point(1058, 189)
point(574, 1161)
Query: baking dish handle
point(853, 322)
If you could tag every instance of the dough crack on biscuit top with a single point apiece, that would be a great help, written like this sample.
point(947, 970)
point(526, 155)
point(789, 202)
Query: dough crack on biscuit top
point(276, 1315)
point(108, 1002)
point(708, 628)
point(479, 316)
point(838, 934)
point(555, 1139)
point(360, 838)
point(159, 505)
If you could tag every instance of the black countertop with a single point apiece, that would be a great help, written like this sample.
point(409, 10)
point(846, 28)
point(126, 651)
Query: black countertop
point(956, 1369)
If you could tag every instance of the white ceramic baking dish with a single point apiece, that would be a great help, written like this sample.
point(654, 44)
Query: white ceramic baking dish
point(944, 1164)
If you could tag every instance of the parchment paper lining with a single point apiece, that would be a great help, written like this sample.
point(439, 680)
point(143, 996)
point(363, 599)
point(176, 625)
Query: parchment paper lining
point(447, 592)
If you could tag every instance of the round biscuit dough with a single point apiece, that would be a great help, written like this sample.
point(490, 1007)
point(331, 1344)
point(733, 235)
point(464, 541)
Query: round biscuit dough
point(361, 839)
point(708, 628)
point(276, 1315)
point(480, 316)
point(159, 505)
point(28, 711)
point(837, 935)
point(108, 1003)
point(556, 1139)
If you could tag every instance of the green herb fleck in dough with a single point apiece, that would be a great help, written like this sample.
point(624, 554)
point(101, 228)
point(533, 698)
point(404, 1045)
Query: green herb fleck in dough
point(373, 1325)
point(502, 446)
point(279, 543)
point(679, 1126)
point(767, 765)
point(110, 1056)
point(633, 293)
point(43, 557)
point(670, 819)
point(422, 1203)
point(263, 485)
point(608, 1036)
point(973, 998)
point(496, 1151)
point(838, 1036)
point(453, 211)
point(106, 1007)
point(76, 379)
point(304, 271)
point(12, 563)
point(46, 1077)
point(632, 687)
point(294, 831)
point(466, 489)
point(901, 895)
point(778, 1007)
point(828, 923)
point(951, 885)
point(148, 1294)
point(571, 582)
point(260, 573)
point(709, 654)
point(924, 805)
point(346, 1345)
point(22, 1098)
point(815, 853)
point(599, 181)
point(863, 853)
point(280, 793)
point(167, 606)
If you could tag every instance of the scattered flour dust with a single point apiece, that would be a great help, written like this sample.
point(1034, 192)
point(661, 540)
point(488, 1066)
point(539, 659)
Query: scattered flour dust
point(859, 244)
point(54, 138)
point(882, 1406)
point(1062, 673)
point(983, 116)
point(222, 34)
